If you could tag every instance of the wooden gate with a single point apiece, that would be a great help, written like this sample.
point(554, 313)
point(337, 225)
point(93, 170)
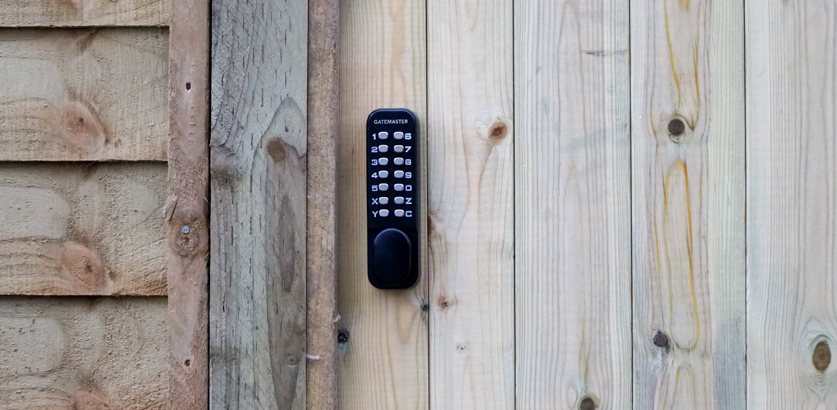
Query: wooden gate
point(627, 206)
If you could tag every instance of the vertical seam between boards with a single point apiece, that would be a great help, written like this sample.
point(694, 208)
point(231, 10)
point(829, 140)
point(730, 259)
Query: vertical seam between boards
point(631, 199)
point(746, 199)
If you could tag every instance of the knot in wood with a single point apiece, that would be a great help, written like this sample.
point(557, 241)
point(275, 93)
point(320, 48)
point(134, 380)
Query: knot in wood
point(497, 132)
point(587, 403)
point(660, 340)
point(821, 357)
point(677, 130)
point(276, 150)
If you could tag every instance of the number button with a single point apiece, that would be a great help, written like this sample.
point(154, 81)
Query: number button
point(399, 212)
point(398, 174)
point(398, 135)
point(383, 174)
point(398, 187)
point(383, 135)
point(397, 148)
point(385, 187)
point(382, 148)
point(398, 161)
point(384, 213)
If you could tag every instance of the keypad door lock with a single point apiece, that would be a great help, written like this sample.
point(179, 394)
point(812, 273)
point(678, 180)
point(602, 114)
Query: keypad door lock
point(393, 198)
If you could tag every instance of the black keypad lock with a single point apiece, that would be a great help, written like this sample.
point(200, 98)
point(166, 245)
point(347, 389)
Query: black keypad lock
point(392, 193)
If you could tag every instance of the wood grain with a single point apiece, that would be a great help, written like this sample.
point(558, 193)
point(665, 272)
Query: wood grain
point(383, 65)
point(688, 204)
point(82, 353)
point(57, 13)
point(82, 94)
point(470, 131)
point(259, 150)
point(323, 131)
point(791, 204)
point(572, 205)
point(187, 206)
point(76, 229)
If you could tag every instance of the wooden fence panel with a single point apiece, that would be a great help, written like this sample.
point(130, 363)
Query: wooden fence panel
point(82, 229)
point(258, 179)
point(471, 195)
point(82, 353)
point(383, 65)
point(688, 204)
point(572, 205)
point(62, 13)
point(83, 94)
point(791, 204)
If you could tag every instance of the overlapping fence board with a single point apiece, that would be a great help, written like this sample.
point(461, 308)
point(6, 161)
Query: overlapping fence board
point(258, 217)
point(82, 353)
point(791, 204)
point(572, 205)
point(384, 361)
point(470, 127)
point(83, 94)
point(687, 77)
point(56, 13)
point(82, 229)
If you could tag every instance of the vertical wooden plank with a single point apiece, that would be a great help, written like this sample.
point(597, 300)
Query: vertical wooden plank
point(471, 217)
point(572, 203)
point(186, 208)
point(323, 129)
point(792, 204)
point(383, 333)
point(688, 204)
point(259, 149)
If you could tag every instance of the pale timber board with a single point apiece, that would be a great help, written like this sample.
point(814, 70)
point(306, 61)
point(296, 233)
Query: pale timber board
point(471, 194)
point(791, 204)
point(572, 205)
point(83, 353)
point(82, 229)
point(258, 215)
point(83, 94)
point(687, 69)
point(383, 65)
point(58, 13)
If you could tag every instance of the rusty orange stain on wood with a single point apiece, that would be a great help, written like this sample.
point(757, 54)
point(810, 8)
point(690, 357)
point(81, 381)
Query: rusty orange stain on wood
point(671, 56)
point(677, 170)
